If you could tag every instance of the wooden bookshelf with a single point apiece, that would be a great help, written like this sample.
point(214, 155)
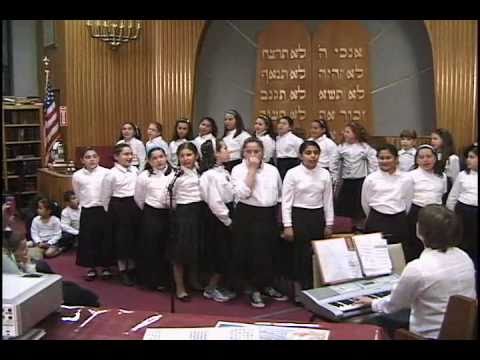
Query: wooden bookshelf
point(22, 129)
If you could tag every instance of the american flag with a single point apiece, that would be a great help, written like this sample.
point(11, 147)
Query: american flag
point(52, 126)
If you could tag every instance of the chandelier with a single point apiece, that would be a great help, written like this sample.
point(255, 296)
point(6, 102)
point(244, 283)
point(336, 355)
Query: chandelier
point(114, 32)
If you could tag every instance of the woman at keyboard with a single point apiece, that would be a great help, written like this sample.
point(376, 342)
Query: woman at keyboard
point(426, 284)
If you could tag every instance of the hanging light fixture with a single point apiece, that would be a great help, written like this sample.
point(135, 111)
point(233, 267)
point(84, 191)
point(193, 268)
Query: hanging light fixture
point(114, 32)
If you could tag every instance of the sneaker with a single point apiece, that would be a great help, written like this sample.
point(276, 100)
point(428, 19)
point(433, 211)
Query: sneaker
point(228, 293)
point(274, 294)
point(256, 300)
point(91, 275)
point(216, 295)
point(106, 274)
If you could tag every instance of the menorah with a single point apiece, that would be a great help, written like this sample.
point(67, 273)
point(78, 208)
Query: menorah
point(114, 32)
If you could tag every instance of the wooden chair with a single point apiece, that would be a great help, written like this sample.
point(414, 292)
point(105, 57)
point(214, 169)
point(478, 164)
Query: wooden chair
point(459, 323)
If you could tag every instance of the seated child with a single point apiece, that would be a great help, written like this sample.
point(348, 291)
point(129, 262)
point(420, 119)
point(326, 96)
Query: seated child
point(70, 220)
point(46, 230)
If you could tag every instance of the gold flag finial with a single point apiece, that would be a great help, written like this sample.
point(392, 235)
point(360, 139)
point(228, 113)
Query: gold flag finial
point(46, 62)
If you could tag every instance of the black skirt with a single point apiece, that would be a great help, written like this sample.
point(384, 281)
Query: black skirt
point(285, 164)
point(308, 225)
point(469, 217)
point(414, 246)
point(349, 201)
point(393, 227)
point(449, 187)
point(153, 269)
point(186, 245)
point(255, 233)
point(218, 244)
point(124, 219)
point(94, 242)
point(230, 164)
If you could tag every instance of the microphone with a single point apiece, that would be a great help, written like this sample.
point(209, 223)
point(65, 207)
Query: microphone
point(178, 172)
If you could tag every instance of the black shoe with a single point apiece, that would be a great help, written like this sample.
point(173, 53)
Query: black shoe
point(106, 274)
point(126, 279)
point(91, 275)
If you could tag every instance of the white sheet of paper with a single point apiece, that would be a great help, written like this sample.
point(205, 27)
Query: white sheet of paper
point(373, 253)
point(224, 333)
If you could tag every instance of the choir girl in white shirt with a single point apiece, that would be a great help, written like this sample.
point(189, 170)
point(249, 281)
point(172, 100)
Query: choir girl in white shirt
point(94, 243)
point(130, 135)
point(307, 210)
point(216, 189)
point(442, 142)
point(387, 196)
point(255, 227)
point(463, 198)
point(207, 130)
point(151, 196)
point(352, 162)
point(287, 146)
point(118, 189)
point(155, 139)
point(320, 133)
point(234, 135)
point(264, 132)
point(406, 155)
point(429, 185)
point(181, 134)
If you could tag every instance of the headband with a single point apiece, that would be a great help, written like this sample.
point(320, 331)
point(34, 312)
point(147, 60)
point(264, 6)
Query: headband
point(231, 112)
point(426, 146)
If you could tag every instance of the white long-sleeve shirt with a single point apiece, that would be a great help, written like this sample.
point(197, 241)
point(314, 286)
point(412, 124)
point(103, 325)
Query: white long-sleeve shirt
point(152, 189)
point(288, 146)
point(452, 166)
point(234, 144)
point(216, 189)
point(187, 187)
point(327, 150)
point(428, 187)
point(267, 189)
point(387, 193)
point(406, 159)
point(425, 286)
point(157, 142)
point(70, 220)
point(87, 186)
point(268, 146)
point(49, 232)
point(353, 161)
point(199, 140)
point(308, 189)
point(173, 150)
point(464, 189)
point(138, 150)
point(119, 182)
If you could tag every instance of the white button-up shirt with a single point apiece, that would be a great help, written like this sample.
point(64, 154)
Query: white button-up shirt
point(234, 144)
point(199, 140)
point(428, 187)
point(216, 189)
point(268, 146)
point(288, 145)
point(452, 166)
point(119, 182)
point(157, 142)
point(353, 161)
point(49, 232)
point(308, 189)
point(387, 193)
point(138, 150)
point(406, 159)
point(267, 189)
point(70, 220)
point(187, 187)
point(173, 150)
point(464, 189)
point(327, 150)
point(152, 189)
point(87, 186)
point(425, 287)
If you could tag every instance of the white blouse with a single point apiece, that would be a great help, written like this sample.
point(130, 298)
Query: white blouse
point(216, 189)
point(187, 187)
point(234, 144)
point(268, 146)
point(428, 187)
point(464, 190)
point(267, 189)
point(327, 150)
point(199, 140)
point(387, 193)
point(70, 220)
point(406, 159)
point(49, 232)
point(119, 182)
point(173, 150)
point(138, 150)
point(288, 145)
point(353, 161)
point(452, 166)
point(157, 142)
point(151, 189)
point(87, 186)
point(308, 189)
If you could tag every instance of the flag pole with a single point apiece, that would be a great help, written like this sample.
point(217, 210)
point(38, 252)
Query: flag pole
point(46, 156)
point(46, 61)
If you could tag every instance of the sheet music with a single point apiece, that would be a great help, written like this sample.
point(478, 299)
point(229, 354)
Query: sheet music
point(289, 331)
point(224, 333)
point(337, 263)
point(373, 253)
